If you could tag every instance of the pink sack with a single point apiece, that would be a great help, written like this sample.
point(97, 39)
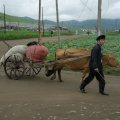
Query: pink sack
point(36, 53)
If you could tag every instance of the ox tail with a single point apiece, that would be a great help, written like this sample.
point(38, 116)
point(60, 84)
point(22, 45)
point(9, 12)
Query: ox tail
point(55, 56)
point(84, 73)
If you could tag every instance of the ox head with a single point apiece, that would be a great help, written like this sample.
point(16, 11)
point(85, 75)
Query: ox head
point(111, 60)
point(49, 70)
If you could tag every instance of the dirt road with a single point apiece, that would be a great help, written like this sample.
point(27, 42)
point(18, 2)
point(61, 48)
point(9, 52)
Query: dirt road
point(39, 98)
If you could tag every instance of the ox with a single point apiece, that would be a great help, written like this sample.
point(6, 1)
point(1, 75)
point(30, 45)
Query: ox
point(18, 50)
point(80, 64)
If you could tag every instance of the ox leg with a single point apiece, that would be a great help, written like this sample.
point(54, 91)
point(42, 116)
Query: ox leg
point(54, 76)
point(83, 76)
point(59, 75)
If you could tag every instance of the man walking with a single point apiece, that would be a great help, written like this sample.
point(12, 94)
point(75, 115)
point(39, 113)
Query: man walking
point(96, 67)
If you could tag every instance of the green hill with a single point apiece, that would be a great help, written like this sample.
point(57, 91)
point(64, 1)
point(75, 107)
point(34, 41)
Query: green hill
point(88, 24)
point(17, 19)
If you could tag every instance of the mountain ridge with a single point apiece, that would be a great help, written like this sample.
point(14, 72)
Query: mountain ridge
point(86, 24)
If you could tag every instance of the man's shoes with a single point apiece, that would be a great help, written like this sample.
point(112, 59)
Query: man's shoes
point(102, 93)
point(82, 90)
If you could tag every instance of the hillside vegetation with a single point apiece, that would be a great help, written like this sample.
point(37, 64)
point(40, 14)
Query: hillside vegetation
point(17, 19)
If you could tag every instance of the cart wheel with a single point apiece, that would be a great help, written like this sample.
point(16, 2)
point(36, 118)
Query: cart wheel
point(14, 67)
point(32, 69)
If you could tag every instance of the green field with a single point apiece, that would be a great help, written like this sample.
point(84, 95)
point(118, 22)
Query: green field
point(11, 35)
point(112, 45)
point(23, 34)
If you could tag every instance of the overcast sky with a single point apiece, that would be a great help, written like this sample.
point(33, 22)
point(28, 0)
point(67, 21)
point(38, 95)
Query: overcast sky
point(68, 9)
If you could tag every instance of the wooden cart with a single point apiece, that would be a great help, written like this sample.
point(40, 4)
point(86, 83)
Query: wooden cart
point(15, 67)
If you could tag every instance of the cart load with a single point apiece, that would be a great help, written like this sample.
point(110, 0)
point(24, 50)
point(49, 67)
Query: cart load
point(36, 53)
point(18, 49)
point(24, 60)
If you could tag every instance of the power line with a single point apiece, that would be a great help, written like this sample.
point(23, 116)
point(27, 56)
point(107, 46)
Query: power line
point(87, 7)
point(83, 9)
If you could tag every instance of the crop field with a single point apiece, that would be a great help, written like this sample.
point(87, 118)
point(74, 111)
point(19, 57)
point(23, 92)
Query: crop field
point(23, 34)
point(112, 45)
point(11, 35)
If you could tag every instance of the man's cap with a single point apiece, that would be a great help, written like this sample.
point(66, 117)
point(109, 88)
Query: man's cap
point(100, 37)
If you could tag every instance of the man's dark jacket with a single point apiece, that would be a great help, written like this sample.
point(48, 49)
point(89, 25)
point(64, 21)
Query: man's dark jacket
point(96, 58)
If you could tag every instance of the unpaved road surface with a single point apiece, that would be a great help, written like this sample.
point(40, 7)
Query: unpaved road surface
point(39, 98)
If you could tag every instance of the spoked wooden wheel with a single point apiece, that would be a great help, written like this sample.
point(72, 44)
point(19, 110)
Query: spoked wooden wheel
point(32, 69)
point(14, 67)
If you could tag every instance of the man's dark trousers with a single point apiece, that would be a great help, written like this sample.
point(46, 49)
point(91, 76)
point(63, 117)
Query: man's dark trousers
point(99, 76)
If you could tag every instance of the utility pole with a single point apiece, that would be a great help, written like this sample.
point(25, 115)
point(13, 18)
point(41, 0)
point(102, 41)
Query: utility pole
point(5, 30)
point(42, 21)
point(116, 24)
point(58, 27)
point(18, 25)
point(39, 24)
point(99, 28)
point(4, 20)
